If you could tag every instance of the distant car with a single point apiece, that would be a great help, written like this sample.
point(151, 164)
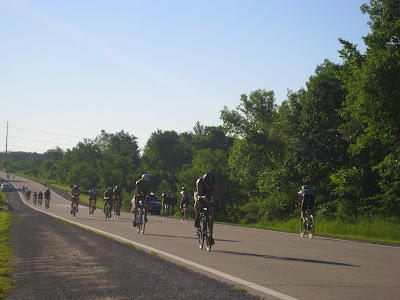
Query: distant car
point(10, 171)
point(154, 204)
point(5, 187)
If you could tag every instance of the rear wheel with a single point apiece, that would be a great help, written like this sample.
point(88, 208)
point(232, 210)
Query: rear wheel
point(311, 226)
point(140, 221)
point(302, 227)
point(108, 212)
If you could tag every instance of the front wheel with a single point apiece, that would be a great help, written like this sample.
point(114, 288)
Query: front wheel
point(200, 237)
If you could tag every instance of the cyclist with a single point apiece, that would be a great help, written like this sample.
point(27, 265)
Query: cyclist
point(75, 192)
point(92, 198)
point(40, 197)
point(166, 202)
point(143, 190)
point(306, 197)
point(184, 199)
point(117, 197)
point(47, 196)
point(207, 190)
point(34, 197)
point(108, 197)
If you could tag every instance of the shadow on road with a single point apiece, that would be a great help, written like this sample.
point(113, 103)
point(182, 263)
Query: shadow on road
point(314, 261)
point(189, 238)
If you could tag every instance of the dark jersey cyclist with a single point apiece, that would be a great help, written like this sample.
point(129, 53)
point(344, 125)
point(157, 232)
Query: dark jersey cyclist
point(143, 190)
point(306, 197)
point(184, 197)
point(108, 198)
point(75, 193)
point(117, 197)
point(92, 198)
point(207, 190)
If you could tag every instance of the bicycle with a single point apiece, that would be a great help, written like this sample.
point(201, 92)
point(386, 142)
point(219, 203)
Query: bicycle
point(117, 208)
point(203, 233)
point(108, 208)
point(307, 223)
point(185, 213)
point(34, 200)
point(92, 207)
point(74, 209)
point(166, 211)
point(47, 202)
point(40, 201)
point(141, 220)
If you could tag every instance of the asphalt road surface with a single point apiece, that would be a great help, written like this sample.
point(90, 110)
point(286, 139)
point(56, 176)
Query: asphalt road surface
point(267, 264)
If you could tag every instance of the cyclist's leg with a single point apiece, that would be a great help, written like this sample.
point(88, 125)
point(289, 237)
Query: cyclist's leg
point(146, 209)
point(135, 210)
point(197, 207)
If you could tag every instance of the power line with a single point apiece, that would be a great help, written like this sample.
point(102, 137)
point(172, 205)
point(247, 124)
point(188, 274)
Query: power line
point(18, 146)
point(52, 142)
point(45, 132)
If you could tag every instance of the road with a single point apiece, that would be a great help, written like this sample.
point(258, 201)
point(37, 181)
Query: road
point(268, 264)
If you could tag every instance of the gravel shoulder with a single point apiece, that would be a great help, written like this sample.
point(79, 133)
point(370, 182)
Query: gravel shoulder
point(56, 260)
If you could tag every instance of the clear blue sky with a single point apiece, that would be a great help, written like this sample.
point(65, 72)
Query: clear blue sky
point(70, 68)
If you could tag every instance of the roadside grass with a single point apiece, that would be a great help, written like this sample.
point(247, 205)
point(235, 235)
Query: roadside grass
point(6, 283)
point(378, 230)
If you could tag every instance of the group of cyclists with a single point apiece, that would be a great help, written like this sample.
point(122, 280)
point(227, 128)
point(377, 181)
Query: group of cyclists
point(111, 196)
point(206, 193)
point(37, 197)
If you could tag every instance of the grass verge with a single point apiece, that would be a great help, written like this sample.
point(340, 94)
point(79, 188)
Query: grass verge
point(6, 283)
point(377, 230)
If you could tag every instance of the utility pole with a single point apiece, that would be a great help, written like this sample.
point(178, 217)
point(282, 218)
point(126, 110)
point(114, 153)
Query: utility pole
point(7, 137)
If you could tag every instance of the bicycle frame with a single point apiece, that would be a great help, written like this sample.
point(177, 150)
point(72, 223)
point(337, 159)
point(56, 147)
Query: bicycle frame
point(142, 216)
point(307, 223)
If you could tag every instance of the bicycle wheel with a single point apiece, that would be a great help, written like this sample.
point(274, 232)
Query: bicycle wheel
point(117, 210)
point(302, 228)
point(140, 223)
point(74, 211)
point(311, 226)
point(199, 238)
point(208, 233)
point(143, 225)
point(107, 212)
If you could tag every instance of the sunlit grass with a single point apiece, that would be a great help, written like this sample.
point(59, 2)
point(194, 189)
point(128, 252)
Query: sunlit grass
point(378, 230)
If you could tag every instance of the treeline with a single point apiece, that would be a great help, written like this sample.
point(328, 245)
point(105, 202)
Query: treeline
point(341, 135)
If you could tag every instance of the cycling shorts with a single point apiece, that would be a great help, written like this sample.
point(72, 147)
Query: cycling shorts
point(308, 201)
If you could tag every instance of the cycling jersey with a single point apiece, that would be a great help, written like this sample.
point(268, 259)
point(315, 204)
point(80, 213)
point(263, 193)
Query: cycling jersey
point(143, 188)
point(308, 197)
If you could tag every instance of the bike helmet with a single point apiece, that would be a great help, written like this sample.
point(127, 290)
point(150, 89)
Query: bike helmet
point(109, 188)
point(183, 188)
point(93, 190)
point(304, 187)
point(117, 187)
point(209, 180)
point(76, 186)
point(146, 177)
